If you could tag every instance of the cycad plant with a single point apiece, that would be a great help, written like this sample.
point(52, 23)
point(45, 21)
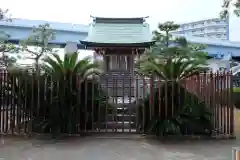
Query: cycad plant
point(70, 65)
point(170, 64)
point(64, 98)
point(175, 68)
point(76, 94)
point(165, 107)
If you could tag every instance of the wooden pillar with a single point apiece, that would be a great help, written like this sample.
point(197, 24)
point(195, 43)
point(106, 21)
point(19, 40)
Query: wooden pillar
point(236, 154)
point(132, 61)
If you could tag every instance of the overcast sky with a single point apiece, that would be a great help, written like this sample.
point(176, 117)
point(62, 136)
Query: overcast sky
point(79, 11)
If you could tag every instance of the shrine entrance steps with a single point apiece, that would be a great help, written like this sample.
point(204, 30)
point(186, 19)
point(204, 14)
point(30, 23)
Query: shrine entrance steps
point(121, 118)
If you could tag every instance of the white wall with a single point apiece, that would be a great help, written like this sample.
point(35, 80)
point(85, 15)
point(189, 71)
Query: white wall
point(234, 27)
point(216, 64)
point(82, 54)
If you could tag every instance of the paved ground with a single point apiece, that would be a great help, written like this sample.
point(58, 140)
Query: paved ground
point(114, 149)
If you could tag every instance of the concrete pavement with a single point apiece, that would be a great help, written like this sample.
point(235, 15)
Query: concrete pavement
point(114, 149)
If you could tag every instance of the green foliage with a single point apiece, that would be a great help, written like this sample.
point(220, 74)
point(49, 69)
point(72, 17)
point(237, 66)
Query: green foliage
point(69, 66)
point(7, 50)
point(171, 69)
point(236, 95)
point(162, 34)
point(58, 106)
point(62, 99)
point(164, 40)
point(174, 111)
point(37, 44)
point(172, 62)
point(236, 89)
point(227, 4)
point(4, 15)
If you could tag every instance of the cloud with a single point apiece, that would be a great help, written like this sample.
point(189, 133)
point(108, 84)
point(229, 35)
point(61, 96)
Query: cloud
point(76, 11)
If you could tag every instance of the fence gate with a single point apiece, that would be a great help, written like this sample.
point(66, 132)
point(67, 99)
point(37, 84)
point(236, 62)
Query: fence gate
point(113, 104)
point(122, 107)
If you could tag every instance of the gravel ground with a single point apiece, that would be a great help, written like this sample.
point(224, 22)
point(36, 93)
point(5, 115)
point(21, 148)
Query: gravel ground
point(96, 148)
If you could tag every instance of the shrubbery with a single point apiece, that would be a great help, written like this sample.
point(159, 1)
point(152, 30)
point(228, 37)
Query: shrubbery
point(64, 106)
point(175, 111)
point(236, 97)
point(62, 98)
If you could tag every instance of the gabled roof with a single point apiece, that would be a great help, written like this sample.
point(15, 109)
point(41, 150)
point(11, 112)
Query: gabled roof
point(118, 31)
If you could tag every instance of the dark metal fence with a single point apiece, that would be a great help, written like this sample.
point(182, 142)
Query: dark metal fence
point(217, 91)
point(40, 104)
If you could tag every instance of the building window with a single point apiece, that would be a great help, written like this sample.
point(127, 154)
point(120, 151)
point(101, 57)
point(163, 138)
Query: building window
point(183, 26)
point(218, 35)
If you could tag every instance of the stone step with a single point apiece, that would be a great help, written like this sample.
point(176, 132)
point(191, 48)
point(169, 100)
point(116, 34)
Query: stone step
point(122, 111)
point(118, 125)
point(122, 99)
point(122, 117)
point(115, 130)
point(123, 105)
point(123, 108)
point(119, 92)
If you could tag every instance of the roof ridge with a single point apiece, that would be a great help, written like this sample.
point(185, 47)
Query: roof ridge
point(105, 20)
point(121, 17)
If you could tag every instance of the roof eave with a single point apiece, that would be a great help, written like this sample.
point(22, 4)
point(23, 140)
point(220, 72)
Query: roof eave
point(97, 44)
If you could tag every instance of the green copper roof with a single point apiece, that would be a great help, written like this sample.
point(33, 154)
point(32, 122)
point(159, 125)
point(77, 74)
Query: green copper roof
point(119, 31)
